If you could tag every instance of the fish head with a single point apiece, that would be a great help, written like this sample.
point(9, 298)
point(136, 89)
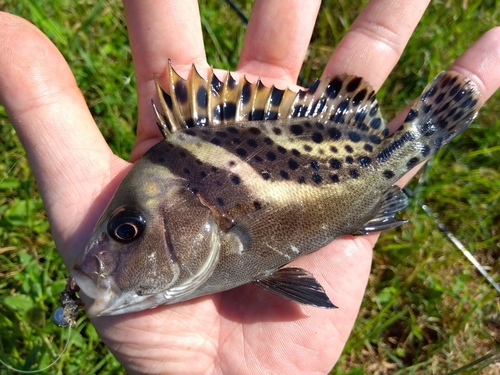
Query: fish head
point(154, 243)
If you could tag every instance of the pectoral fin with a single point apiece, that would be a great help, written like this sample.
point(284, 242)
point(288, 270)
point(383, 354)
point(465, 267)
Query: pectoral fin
point(385, 218)
point(295, 284)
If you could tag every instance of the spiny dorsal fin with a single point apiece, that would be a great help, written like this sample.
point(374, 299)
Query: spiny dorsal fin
point(343, 99)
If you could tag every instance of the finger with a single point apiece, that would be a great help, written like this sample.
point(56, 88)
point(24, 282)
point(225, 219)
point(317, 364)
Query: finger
point(159, 31)
point(376, 39)
point(480, 63)
point(63, 144)
point(277, 39)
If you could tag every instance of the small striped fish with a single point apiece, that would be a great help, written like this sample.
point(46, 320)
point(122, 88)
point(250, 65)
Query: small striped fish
point(250, 177)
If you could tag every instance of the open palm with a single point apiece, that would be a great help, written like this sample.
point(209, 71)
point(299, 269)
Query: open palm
point(244, 330)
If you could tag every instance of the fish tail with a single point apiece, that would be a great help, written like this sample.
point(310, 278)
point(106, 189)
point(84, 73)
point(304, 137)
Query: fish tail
point(446, 107)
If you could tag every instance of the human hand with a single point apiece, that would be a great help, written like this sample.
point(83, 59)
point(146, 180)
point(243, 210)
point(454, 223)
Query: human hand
point(243, 330)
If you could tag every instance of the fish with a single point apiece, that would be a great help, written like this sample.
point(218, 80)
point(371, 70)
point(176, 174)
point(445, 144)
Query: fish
point(249, 177)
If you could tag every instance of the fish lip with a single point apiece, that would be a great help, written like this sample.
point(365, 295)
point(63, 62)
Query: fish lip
point(103, 295)
point(108, 298)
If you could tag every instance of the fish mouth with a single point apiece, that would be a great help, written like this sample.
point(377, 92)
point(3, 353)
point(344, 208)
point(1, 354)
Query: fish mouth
point(109, 299)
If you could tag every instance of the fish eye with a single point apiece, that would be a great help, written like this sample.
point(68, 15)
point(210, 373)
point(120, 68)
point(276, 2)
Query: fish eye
point(126, 224)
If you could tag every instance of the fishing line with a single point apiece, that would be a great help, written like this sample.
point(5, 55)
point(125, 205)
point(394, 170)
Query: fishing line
point(66, 345)
point(11, 168)
point(445, 230)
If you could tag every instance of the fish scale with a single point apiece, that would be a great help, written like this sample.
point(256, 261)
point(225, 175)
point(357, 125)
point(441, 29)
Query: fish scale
point(250, 177)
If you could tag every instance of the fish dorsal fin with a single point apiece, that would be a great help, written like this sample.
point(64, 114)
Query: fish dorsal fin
point(197, 102)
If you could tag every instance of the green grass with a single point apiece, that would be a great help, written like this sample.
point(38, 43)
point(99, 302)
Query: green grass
point(426, 310)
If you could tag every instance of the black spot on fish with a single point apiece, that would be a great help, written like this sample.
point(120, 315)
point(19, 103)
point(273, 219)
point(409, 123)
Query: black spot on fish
point(426, 108)
point(349, 160)
point(334, 149)
point(271, 115)
point(215, 141)
point(241, 152)
point(232, 163)
point(257, 205)
point(317, 178)
point(454, 90)
point(334, 133)
point(374, 139)
point(186, 171)
point(354, 136)
point(198, 161)
point(295, 110)
point(353, 173)
point(315, 165)
point(411, 163)
point(332, 90)
point(276, 95)
point(317, 137)
point(334, 178)
point(428, 128)
point(301, 180)
point(296, 129)
point(373, 110)
point(257, 114)
point(268, 141)
point(232, 130)
point(375, 123)
point(293, 164)
point(221, 134)
point(364, 161)
point(258, 159)
point(425, 151)
point(252, 143)
point(313, 87)
point(271, 156)
point(220, 201)
point(201, 97)
point(335, 163)
point(368, 147)
point(307, 148)
point(265, 175)
point(295, 152)
point(443, 124)
point(254, 131)
point(353, 84)
point(359, 97)
point(214, 169)
point(281, 150)
point(320, 126)
point(388, 173)
point(459, 95)
point(277, 131)
point(437, 143)
point(161, 160)
point(246, 92)
point(284, 174)
point(412, 115)
point(439, 98)
point(181, 92)
point(236, 179)
point(229, 110)
point(348, 148)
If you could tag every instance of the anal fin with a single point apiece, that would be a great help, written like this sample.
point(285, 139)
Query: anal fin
point(295, 284)
point(393, 201)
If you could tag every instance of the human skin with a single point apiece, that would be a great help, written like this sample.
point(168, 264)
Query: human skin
point(244, 330)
